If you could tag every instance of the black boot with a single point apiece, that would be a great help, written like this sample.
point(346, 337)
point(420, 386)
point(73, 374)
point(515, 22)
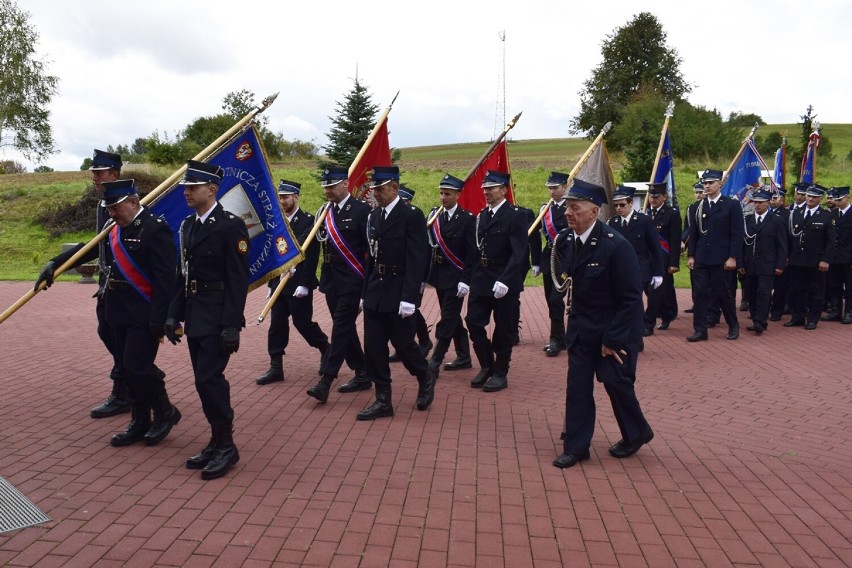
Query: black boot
point(116, 403)
point(275, 372)
point(360, 382)
point(320, 390)
point(486, 364)
point(425, 390)
point(499, 380)
point(140, 421)
point(202, 458)
point(423, 339)
point(166, 415)
point(225, 453)
point(441, 348)
point(381, 408)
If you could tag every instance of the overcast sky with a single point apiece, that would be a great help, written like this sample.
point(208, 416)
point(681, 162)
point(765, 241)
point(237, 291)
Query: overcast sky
point(129, 68)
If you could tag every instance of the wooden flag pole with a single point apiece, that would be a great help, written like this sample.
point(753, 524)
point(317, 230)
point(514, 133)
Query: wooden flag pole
point(154, 194)
point(583, 159)
point(669, 113)
point(739, 152)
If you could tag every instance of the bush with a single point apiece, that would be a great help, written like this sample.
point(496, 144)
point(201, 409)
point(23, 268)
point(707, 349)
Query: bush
point(43, 170)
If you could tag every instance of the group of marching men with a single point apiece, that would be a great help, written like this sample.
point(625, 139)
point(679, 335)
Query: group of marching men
point(376, 260)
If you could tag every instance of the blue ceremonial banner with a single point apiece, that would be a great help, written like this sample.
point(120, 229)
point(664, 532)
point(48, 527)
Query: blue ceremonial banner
point(780, 176)
point(248, 191)
point(808, 165)
point(665, 167)
point(745, 175)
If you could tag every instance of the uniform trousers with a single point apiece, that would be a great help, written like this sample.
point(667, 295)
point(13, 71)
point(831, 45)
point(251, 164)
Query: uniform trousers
point(709, 282)
point(138, 351)
point(668, 302)
point(105, 333)
point(839, 286)
point(780, 289)
point(585, 363)
point(208, 364)
point(654, 301)
point(505, 312)
point(807, 293)
point(345, 344)
point(302, 312)
point(555, 310)
point(759, 289)
point(381, 328)
point(451, 327)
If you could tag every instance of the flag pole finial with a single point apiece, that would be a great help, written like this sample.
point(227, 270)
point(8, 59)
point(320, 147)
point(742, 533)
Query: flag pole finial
point(670, 109)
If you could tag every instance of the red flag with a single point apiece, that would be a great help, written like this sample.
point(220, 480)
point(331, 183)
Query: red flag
point(472, 198)
point(376, 153)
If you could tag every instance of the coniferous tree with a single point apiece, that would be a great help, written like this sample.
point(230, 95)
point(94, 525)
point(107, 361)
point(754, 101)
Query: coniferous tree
point(355, 119)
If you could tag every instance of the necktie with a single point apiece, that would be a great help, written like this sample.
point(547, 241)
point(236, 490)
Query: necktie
point(653, 213)
point(578, 244)
point(384, 214)
point(446, 217)
point(623, 222)
point(759, 220)
point(488, 215)
point(709, 205)
point(196, 226)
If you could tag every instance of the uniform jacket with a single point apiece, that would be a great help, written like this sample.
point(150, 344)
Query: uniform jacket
point(606, 294)
point(150, 244)
point(503, 253)
point(306, 271)
point(336, 277)
point(533, 240)
point(459, 235)
point(560, 223)
point(843, 248)
point(668, 224)
point(395, 273)
point(642, 235)
point(765, 245)
point(717, 233)
point(216, 257)
point(813, 239)
point(688, 221)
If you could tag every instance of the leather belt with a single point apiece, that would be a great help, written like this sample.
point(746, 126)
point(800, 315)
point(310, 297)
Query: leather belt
point(113, 284)
point(331, 258)
point(484, 261)
point(439, 259)
point(196, 286)
point(389, 269)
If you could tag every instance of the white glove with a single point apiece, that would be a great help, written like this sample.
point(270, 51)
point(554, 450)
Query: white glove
point(536, 270)
point(500, 290)
point(422, 287)
point(361, 305)
point(293, 271)
point(300, 292)
point(462, 290)
point(269, 292)
point(406, 309)
point(656, 282)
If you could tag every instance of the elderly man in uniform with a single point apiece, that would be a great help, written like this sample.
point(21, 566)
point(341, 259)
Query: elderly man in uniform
point(638, 229)
point(297, 297)
point(105, 167)
point(839, 278)
point(398, 253)
point(715, 246)
point(210, 302)
point(605, 325)
point(813, 242)
point(552, 223)
point(764, 258)
point(344, 242)
point(451, 235)
point(496, 282)
point(666, 219)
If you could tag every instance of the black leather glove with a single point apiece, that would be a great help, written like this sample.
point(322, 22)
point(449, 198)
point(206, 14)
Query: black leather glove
point(46, 275)
point(173, 331)
point(229, 339)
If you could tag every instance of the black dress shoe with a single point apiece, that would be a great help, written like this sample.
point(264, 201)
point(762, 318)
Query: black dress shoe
point(759, 328)
point(359, 382)
point(834, 316)
point(624, 449)
point(497, 382)
point(744, 306)
point(481, 377)
point(381, 408)
point(553, 349)
point(794, 323)
point(811, 325)
point(393, 358)
point(458, 363)
point(425, 391)
point(570, 460)
point(775, 318)
point(697, 337)
point(751, 328)
point(733, 332)
point(664, 325)
point(847, 318)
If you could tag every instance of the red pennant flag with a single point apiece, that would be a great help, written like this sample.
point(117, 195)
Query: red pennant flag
point(377, 153)
point(471, 197)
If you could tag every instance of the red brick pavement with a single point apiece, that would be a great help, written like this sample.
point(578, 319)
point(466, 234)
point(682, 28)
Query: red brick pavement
point(750, 464)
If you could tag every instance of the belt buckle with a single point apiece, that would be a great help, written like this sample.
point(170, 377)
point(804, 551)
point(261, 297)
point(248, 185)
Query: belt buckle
point(380, 268)
point(484, 262)
point(193, 286)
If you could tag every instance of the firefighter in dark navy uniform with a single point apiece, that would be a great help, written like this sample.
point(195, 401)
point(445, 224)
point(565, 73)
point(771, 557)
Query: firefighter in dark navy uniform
point(344, 250)
point(666, 219)
point(605, 324)
point(451, 235)
point(210, 301)
point(778, 305)
point(552, 223)
point(398, 253)
point(839, 278)
point(297, 298)
point(496, 281)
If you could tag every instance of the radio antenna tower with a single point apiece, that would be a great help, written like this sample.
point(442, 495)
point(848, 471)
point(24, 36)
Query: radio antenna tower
point(500, 112)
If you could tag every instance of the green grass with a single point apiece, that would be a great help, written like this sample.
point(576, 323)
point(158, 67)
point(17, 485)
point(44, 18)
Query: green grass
point(25, 246)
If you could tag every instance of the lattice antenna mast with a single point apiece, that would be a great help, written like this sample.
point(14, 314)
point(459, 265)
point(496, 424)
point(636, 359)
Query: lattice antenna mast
point(500, 112)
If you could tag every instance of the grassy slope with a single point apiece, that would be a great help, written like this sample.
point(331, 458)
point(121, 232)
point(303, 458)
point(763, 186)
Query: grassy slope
point(25, 246)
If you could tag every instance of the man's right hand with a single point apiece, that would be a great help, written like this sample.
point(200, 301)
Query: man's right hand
point(46, 275)
point(173, 330)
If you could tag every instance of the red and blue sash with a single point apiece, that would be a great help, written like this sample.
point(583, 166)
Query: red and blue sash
point(549, 226)
point(132, 273)
point(342, 246)
point(457, 263)
point(664, 244)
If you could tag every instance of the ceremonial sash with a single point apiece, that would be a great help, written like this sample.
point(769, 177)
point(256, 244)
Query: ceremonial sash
point(132, 273)
point(457, 263)
point(664, 244)
point(342, 246)
point(549, 227)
